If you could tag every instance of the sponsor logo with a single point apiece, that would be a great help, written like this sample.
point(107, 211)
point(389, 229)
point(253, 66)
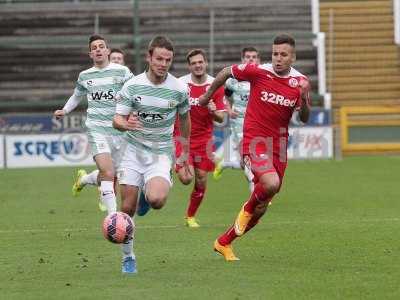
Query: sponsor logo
point(151, 117)
point(97, 96)
point(193, 101)
point(277, 99)
point(72, 147)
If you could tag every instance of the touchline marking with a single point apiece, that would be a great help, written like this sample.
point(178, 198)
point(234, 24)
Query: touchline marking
point(140, 227)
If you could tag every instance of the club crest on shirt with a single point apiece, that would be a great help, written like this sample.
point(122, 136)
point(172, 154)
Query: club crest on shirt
point(89, 83)
point(293, 82)
point(241, 67)
point(172, 103)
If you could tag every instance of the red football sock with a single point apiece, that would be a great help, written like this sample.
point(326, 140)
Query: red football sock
point(227, 237)
point(258, 196)
point(195, 199)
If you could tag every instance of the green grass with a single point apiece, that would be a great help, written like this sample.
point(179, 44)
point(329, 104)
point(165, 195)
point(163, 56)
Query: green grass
point(332, 233)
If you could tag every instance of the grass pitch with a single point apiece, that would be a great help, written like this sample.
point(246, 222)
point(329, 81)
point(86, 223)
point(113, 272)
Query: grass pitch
point(332, 233)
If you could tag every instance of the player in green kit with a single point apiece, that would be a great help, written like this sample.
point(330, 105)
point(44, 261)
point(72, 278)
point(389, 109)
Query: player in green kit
point(99, 84)
point(154, 98)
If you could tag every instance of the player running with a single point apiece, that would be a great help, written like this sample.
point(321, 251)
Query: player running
point(156, 97)
point(99, 84)
point(201, 158)
point(276, 90)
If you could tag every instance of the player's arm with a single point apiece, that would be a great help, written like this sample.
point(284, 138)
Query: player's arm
point(304, 111)
point(124, 118)
point(218, 115)
point(185, 128)
point(126, 122)
point(222, 76)
point(69, 106)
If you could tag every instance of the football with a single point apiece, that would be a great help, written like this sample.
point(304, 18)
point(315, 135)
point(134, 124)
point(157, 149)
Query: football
point(118, 227)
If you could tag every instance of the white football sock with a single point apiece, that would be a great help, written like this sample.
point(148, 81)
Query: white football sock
point(108, 196)
point(127, 249)
point(231, 164)
point(90, 178)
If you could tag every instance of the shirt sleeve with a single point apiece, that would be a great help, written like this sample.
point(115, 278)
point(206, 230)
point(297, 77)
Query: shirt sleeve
point(245, 72)
point(80, 90)
point(128, 75)
point(72, 102)
point(183, 107)
point(218, 98)
point(124, 102)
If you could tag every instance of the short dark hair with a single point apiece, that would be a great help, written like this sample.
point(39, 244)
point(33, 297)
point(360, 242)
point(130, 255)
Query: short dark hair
point(194, 52)
point(96, 37)
point(284, 39)
point(116, 50)
point(160, 42)
point(248, 49)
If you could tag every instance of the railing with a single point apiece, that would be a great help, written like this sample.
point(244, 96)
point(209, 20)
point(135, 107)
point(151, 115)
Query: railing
point(377, 122)
point(319, 42)
point(396, 17)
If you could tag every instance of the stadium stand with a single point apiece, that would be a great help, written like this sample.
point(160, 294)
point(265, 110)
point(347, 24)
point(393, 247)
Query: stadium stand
point(43, 45)
point(364, 61)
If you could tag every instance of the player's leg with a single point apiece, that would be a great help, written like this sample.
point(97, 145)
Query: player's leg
point(232, 156)
point(130, 180)
point(162, 186)
point(82, 179)
point(157, 178)
point(157, 190)
point(268, 185)
point(106, 178)
point(143, 205)
point(223, 245)
point(196, 197)
point(128, 205)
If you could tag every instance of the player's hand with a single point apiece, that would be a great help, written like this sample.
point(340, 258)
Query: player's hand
point(211, 106)
point(186, 167)
point(203, 100)
point(305, 87)
point(233, 114)
point(59, 114)
point(133, 122)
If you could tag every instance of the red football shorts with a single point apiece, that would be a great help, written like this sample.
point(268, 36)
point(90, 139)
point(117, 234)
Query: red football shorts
point(260, 160)
point(199, 157)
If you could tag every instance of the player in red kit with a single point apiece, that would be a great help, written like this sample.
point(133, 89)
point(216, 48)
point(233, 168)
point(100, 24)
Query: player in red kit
point(201, 139)
point(276, 90)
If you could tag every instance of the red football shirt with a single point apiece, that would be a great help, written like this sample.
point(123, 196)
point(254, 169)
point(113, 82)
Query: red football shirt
point(201, 118)
point(271, 103)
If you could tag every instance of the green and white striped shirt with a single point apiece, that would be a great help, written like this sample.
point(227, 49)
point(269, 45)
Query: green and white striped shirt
point(240, 94)
point(156, 107)
point(100, 87)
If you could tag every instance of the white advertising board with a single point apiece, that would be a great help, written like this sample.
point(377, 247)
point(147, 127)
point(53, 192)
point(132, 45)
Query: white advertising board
point(310, 142)
point(47, 150)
